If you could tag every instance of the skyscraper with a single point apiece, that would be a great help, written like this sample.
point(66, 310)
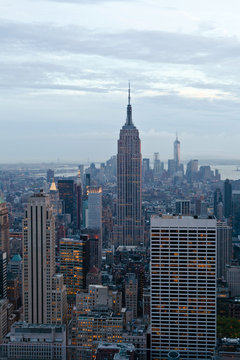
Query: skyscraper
point(3, 274)
point(224, 248)
point(129, 229)
point(79, 194)
point(73, 266)
point(183, 286)
point(68, 195)
point(94, 207)
point(227, 199)
point(38, 260)
point(176, 154)
point(4, 227)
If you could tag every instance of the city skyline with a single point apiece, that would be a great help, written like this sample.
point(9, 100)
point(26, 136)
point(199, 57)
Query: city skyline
point(67, 83)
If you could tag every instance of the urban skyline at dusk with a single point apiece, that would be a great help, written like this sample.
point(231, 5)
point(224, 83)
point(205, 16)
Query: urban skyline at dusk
point(65, 67)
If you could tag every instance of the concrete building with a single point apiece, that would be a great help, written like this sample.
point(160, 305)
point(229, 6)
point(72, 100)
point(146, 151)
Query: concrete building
point(59, 300)
point(176, 154)
point(3, 319)
point(233, 280)
point(94, 207)
point(183, 207)
point(4, 227)
point(106, 351)
point(129, 228)
point(3, 275)
point(28, 341)
point(183, 286)
point(39, 262)
point(131, 294)
point(89, 330)
point(73, 266)
point(224, 248)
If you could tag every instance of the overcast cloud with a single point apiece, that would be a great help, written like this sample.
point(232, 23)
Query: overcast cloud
point(65, 66)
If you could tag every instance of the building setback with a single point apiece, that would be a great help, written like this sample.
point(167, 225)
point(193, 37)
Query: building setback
point(129, 229)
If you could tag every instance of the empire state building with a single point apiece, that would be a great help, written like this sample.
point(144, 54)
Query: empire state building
point(129, 230)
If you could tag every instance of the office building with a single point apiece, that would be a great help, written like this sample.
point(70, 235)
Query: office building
point(129, 227)
point(31, 341)
point(3, 275)
point(171, 167)
point(131, 294)
point(89, 330)
point(56, 203)
point(59, 300)
point(38, 260)
point(227, 199)
point(79, 193)
point(156, 166)
point(94, 207)
point(50, 175)
point(4, 227)
point(183, 286)
point(217, 200)
point(176, 154)
point(183, 207)
point(15, 267)
point(68, 195)
point(224, 248)
point(108, 351)
point(233, 280)
point(236, 212)
point(3, 318)
point(192, 171)
point(73, 266)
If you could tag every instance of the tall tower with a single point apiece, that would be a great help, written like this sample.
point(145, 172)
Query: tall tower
point(227, 199)
point(38, 260)
point(4, 227)
point(129, 229)
point(183, 286)
point(176, 153)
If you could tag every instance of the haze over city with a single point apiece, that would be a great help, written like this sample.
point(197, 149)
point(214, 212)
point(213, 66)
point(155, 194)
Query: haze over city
point(65, 67)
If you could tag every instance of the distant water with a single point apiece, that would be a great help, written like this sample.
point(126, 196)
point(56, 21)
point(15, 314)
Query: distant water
point(227, 171)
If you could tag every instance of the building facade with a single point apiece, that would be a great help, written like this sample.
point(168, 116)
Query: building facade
point(4, 227)
point(129, 229)
point(183, 286)
point(38, 260)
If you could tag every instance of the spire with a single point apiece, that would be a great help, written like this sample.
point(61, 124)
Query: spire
point(129, 108)
point(79, 182)
point(129, 94)
point(53, 186)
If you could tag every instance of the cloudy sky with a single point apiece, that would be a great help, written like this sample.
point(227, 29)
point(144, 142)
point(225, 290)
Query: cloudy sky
point(65, 66)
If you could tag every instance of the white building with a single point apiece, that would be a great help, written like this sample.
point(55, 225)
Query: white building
point(183, 286)
point(94, 207)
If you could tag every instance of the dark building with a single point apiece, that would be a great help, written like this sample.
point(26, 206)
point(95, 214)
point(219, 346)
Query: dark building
point(79, 200)
point(217, 199)
point(4, 227)
point(183, 207)
point(3, 274)
point(224, 248)
point(68, 195)
point(129, 228)
point(227, 199)
point(50, 175)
